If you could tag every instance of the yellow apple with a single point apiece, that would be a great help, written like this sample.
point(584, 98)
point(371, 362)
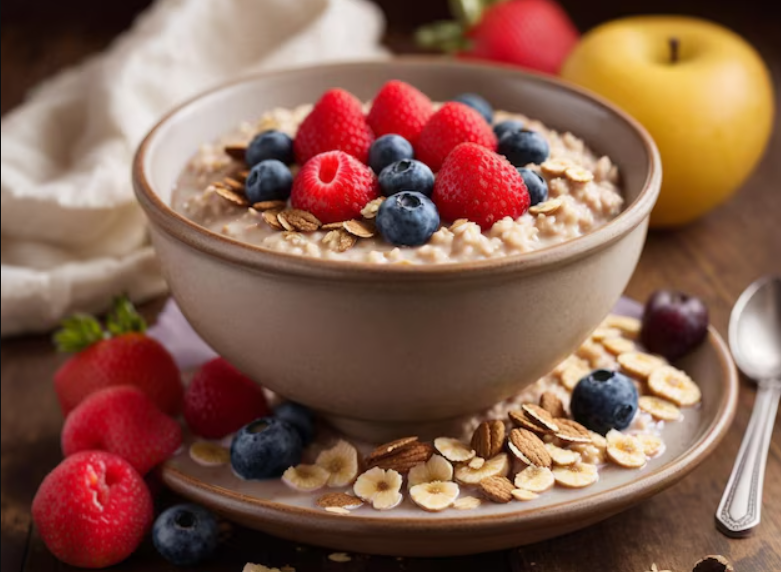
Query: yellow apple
point(702, 92)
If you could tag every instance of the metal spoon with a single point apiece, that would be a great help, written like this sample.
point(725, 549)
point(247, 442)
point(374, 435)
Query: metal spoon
point(755, 341)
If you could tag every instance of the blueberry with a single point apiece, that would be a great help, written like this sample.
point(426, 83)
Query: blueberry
point(673, 323)
point(265, 448)
point(535, 184)
point(524, 147)
point(185, 534)
point(407, 219)
point(477, 103)
point(389, 149)
point(269, 180)
point(407, 175)
point(604, 400)
point(270, 145)
point(299, 417)
point(507, 126)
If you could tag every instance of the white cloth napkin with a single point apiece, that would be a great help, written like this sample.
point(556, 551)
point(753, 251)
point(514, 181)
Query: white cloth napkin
point(72, 235)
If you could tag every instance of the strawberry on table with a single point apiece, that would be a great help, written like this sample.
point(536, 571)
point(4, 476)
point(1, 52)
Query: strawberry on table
point(93, 510)
point(336, 123)
point(479, 185)
point(334, 186)
point(120, 355)
point(453, 124)
point(401, 109)
point(124, 421)
point(220, 400)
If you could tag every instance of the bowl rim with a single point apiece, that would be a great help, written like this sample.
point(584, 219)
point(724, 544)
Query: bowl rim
point(605, 503)
point(258, 257)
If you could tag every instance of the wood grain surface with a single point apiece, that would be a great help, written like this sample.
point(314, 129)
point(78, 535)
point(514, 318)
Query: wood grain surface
point(714, 259)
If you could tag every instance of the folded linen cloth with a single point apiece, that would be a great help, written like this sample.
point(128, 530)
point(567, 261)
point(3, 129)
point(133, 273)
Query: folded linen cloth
point(72, 235)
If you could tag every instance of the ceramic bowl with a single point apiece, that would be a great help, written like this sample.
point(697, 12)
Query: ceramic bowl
point(385, 350)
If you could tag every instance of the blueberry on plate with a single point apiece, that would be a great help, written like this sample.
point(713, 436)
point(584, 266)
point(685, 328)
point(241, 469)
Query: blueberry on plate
point(299, 417)
point(478, 103)
point(269, 180)
point(271, 144)
point(185, 534)
point(524, 147)
point(389, 149)
point(407, 219)
point(406, 175)
point(265, 448)
point(673, 323)
point(535, 184)
point(507, 126)
point(604, 400)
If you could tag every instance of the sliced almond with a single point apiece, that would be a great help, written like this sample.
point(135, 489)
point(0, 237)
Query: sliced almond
point(270, 216)
point(618, 346)
point(547, 208)
point(403, 459)
point(579, 175)
point(535, 479)
point(488, 438)
point(540, 416)
point(269, 205)
point(434, 496)
point(341, 462)
point(233, 184)
point(305, 478)
point(437, 468)
point(298, 220)
point(640, 364)
point(332, 226)
point(339, 500)
point(360, 228)
point(453, 450)
point(467, 503)
point(497, 489)
point(237, 152)
point(625, 450)
point(562, 457)
point(230, 195)
point(674, 385)
point(370, 210)
point(209, 454)
point(498, 466)
point(576, 476)
point(659, 408)
point(524, 495)
point(555, 167)
point(520, 419)
point(527, 447)
point(572, 431)
point(339, 240)
point(391, 447)
point(551, 403)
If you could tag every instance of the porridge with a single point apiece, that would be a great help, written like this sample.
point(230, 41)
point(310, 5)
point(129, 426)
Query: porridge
point(579, 193)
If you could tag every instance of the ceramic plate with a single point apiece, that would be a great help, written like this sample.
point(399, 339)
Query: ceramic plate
point(272, 507)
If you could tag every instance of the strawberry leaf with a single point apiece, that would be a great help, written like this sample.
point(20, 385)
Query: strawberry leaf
point(445, 35)
point(78, 333)
point(124, 319)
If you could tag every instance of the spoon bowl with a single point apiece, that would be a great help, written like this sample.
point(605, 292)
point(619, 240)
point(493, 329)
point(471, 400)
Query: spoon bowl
point(755, 330)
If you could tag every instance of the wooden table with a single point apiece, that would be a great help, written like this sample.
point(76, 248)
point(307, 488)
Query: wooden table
point(714, 259)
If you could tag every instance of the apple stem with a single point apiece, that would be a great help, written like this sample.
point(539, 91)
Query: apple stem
point(675, 45)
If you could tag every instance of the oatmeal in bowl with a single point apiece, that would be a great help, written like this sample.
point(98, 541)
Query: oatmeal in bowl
point(396, 275)
point(546, 187)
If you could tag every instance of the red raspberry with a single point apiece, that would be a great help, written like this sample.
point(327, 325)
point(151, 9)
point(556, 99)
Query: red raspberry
point(124, 421)
point(334, 187)
point(335, 124)
point(479, 185)
point(453, 124)
point(221, 400)
point(399, 108)
point(93, 510)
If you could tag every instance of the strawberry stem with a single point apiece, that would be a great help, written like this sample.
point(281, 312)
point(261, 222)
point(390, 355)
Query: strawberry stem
point(80, 331)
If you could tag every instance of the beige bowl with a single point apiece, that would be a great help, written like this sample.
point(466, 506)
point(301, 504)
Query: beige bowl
point(385, 350)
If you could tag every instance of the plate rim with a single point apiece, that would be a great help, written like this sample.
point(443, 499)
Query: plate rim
point(605, 502)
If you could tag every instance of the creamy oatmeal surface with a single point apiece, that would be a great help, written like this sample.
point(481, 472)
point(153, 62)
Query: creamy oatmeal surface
point(583, 195)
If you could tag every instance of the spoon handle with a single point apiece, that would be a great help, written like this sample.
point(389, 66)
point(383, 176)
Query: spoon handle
point(741, 506)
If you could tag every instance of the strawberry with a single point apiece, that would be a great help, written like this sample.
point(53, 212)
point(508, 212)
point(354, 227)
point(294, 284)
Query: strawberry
point(220, 400)
point(479, 185)
point(123, 355)
point(453, 124)
point(401, 109)
point(336, 123)
point(93, 510)
point(334, 187)
point(124, 421)
point(535, 34)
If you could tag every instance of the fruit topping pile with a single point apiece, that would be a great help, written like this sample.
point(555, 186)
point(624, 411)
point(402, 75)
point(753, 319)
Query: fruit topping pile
point(432, 164)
